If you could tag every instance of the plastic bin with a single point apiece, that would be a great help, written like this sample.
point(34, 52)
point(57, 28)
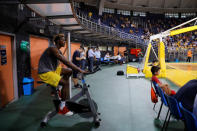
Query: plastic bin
point(177, 60)
point(28, 85)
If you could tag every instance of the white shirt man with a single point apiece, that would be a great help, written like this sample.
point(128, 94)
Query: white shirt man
point(98, 54)
point(91, 56)
point(91, 53)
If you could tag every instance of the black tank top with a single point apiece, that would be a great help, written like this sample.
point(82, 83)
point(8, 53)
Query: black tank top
point(47, 62)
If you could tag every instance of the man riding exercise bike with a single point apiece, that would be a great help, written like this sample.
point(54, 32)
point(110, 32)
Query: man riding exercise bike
point(50, 71)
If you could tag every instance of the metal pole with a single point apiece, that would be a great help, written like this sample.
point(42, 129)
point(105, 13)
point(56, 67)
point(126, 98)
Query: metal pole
point(182, 24)
point(69, 58)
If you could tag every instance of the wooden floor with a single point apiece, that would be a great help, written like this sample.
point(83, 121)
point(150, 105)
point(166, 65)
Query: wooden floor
point(184, 66)
point(181, 73)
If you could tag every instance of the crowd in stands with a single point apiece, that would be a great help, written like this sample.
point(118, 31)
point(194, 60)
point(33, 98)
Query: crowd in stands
point(144, 27)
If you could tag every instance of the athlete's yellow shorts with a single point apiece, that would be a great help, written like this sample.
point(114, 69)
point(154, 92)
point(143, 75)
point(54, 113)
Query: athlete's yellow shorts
point(52, 77)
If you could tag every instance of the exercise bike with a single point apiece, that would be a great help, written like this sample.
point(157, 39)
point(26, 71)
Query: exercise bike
point(85, 107)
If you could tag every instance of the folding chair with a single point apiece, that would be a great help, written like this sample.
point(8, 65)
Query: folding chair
point(174, 109)
point(190, 119)
point(164, 101)
point(155, 86)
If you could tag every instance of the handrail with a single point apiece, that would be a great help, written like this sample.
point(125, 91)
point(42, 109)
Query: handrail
point(106, 30)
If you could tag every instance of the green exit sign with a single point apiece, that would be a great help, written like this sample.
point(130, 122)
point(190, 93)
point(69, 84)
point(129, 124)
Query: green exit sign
point(24, 46)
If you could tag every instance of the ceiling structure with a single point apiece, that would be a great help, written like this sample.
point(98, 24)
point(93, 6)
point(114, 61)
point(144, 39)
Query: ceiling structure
point(60, 13)
point(150, 5)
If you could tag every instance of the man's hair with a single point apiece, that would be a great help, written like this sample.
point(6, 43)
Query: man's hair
point(58, 37)
point(155, 69)
point(81, 47)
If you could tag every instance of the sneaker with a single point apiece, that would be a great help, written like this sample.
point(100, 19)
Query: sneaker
point(65, 112)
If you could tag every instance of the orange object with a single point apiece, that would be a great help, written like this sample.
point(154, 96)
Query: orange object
point(135, 52)
point(6, 77)
point(119, 50)
point(38, 46)
point(189, 53)
point(154, 97)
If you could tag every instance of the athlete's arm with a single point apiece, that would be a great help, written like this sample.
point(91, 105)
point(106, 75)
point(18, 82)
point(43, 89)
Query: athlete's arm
point(54, 51)
point(78, 58)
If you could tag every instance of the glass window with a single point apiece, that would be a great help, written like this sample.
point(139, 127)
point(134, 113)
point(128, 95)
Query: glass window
point(124, 12)
point(108, 10)
point(184, 15)
point(143, 14)
point(109, 48)
point(103, 48)
point(76, 4)
point(171, 15)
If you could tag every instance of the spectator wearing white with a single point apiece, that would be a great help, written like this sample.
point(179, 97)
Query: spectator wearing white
point(97, 53)
point(98, 57)
point(91, 56)
point(120, 59)
point(107, 56)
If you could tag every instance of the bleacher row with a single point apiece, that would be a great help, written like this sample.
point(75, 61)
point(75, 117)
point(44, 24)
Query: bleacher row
point(106, 29)
point(141, 28)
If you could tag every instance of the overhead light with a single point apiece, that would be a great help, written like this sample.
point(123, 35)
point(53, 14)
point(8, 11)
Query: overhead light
point(33, 14)
point(21, 7)
point(42, 31)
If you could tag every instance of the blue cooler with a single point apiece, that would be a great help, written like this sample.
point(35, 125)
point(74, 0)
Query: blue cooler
point(28, 85)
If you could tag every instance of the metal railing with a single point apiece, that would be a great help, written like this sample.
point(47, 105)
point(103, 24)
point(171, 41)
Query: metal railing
point(102, 29)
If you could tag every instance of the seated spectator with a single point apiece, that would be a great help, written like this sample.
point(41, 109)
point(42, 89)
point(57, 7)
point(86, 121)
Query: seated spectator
point(186, 94)
point(120, 59)
point(131, 31)
point(114, 25)
point(165, 87)
point(118, 56)
point(107, 56)
point(122, 26)
point(90, 14)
